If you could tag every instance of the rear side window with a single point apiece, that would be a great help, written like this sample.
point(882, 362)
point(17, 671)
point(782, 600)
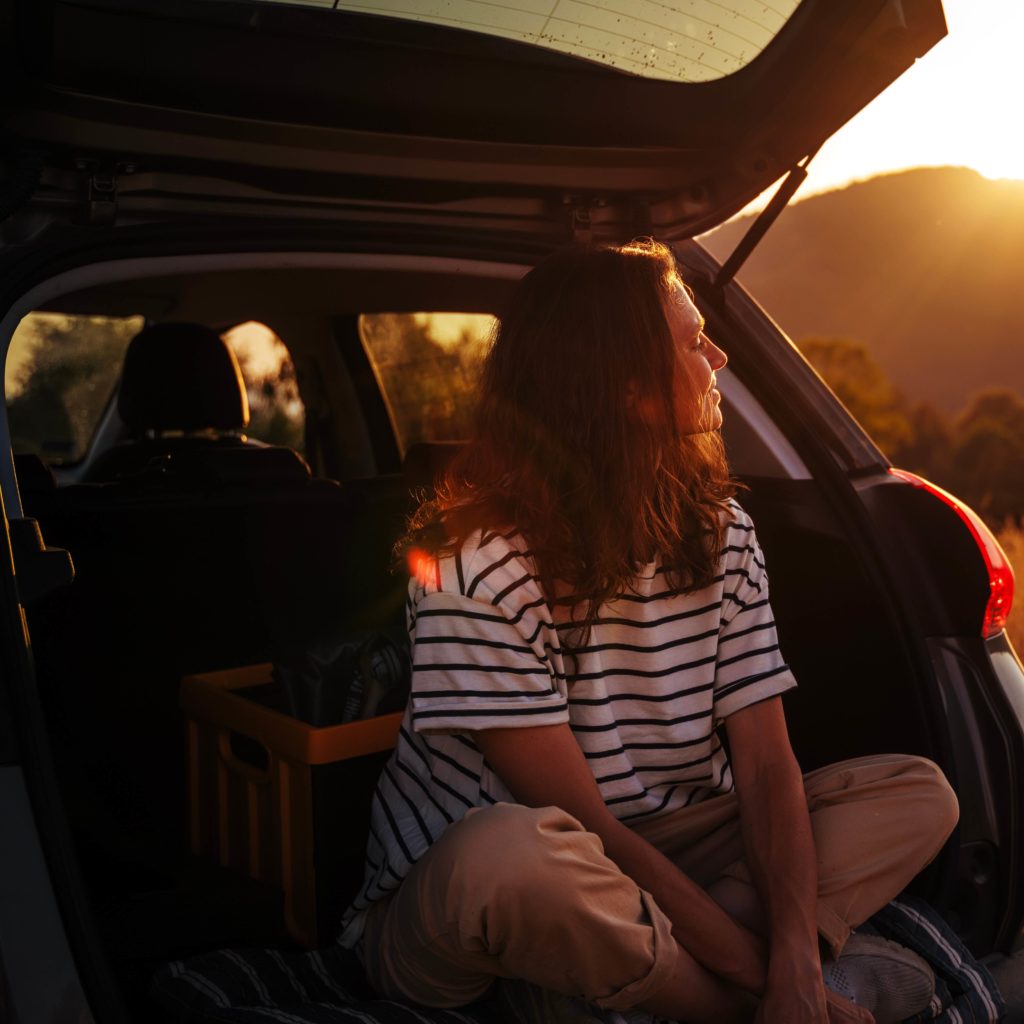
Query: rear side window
point(62, 370)
point(60, 373)
point(427, 366)
point(276, 412)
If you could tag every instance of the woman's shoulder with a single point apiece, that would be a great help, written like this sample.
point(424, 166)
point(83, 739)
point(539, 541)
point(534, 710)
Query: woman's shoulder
point(736, 518)
point(483, 548)
point(739, 540)
point(481, 566)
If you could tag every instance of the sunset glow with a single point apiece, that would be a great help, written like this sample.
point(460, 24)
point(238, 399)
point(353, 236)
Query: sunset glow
point(958, 106)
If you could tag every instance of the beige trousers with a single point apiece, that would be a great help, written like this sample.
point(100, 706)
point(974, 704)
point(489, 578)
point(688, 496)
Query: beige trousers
point(518, 892)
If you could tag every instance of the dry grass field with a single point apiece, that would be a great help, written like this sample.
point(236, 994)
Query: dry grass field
point(1012, 539)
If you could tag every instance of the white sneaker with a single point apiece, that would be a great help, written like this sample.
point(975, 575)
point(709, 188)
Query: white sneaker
point(887, 979)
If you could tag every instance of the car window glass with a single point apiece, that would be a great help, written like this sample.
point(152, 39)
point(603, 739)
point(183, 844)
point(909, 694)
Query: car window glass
point(60, 373)
point(276, 412)
point(427, 366)
point(685, 41)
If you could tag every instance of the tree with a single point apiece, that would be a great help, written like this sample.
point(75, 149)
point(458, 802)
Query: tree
point(988, 460)
point(980, 457)
point(429, 386)
point(930, 450)
point(276, 411)
point(861, 385)
point(998, 405)
point(65, 372)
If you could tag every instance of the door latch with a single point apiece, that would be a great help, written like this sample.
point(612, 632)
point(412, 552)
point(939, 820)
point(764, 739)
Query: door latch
point(99, 188)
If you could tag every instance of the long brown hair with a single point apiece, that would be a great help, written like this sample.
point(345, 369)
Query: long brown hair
point(559, 450)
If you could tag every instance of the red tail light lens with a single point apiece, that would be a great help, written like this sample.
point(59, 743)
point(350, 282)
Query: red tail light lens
point(1000, 572)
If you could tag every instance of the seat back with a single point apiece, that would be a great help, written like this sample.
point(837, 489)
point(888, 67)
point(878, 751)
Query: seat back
point(181, 392)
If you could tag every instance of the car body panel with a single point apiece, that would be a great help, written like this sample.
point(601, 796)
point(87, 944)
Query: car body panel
point(42, 981)
point(988, 896)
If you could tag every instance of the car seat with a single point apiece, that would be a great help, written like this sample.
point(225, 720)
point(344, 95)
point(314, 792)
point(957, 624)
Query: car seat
point(181, 394)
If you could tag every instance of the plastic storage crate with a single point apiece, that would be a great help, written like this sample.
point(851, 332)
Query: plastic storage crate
point(277, 799)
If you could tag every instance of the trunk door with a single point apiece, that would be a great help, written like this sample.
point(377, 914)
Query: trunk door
point(668, 118)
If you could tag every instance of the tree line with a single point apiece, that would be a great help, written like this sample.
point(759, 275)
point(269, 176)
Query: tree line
point(977, 454)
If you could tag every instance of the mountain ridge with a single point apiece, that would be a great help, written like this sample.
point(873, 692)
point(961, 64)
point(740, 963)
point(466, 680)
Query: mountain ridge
point(922, 266)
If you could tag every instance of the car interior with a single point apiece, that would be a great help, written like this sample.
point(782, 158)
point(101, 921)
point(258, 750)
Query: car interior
point(197, 554)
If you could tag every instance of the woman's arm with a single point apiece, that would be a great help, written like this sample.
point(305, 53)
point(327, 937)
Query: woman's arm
point(544, 767)
point(780, 852)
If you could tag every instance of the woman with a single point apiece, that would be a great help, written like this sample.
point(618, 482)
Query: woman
point(589, 613)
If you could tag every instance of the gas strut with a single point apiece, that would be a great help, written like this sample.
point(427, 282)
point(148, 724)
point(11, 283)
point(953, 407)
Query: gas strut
point(765, 219)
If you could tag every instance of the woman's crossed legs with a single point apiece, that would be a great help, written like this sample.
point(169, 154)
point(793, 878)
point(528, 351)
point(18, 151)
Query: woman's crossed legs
point(517, 892)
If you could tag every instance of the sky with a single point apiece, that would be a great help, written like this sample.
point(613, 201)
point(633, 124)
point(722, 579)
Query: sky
point(962, 104)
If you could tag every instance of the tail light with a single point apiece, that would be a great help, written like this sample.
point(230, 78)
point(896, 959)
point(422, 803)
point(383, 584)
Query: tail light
point(1000, 572)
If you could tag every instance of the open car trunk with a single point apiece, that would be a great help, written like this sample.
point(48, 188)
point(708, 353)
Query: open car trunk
point(173, 579)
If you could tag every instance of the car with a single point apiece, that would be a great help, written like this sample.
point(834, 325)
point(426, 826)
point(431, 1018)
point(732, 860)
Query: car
point(370, 181)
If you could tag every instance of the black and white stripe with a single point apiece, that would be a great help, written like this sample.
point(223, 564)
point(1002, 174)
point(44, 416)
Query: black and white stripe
point(643, 698)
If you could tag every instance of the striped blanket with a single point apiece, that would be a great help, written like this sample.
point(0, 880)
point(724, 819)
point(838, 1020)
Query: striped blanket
point(965, 992)
point(327, 986)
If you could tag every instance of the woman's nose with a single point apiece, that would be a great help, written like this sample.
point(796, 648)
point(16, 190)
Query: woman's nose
point(716, 357)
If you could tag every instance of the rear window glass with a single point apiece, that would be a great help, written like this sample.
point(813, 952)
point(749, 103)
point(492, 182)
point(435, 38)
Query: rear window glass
point(60, 373)
point(683, 41)
point(427, 366)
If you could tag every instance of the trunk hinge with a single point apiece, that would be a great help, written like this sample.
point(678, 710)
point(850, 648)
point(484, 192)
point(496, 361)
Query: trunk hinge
point(582, 224)
point(600, 218)
point(764, 221)
point(99, 188)
point(581, 217)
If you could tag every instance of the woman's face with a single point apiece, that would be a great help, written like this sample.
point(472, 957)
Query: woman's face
point(697, 360)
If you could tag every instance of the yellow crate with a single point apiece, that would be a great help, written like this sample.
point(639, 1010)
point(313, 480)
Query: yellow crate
point(250, 784)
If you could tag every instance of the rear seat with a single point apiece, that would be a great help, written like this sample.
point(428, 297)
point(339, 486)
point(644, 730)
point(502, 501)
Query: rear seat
point(208, 558)
point(181, 392)
point(192, 553)
point(192, 577)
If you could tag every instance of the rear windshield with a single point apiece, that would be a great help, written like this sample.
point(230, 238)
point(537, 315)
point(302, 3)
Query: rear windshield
point(682, 41)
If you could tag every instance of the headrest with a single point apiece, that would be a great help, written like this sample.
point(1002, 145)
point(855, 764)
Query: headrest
point(180, 376)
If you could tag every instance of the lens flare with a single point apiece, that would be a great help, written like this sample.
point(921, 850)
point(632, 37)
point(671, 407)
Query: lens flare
point(422, 566)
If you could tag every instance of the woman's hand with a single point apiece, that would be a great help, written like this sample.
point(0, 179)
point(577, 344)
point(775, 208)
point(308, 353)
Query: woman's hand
point(781, 856)
point(544, 766)
point(795, 997)
point(795, 992)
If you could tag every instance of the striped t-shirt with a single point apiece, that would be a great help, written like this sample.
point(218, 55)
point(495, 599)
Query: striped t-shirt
point(658, 674)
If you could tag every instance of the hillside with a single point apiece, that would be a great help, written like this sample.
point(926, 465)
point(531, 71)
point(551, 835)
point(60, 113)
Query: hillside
point(926, 267)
